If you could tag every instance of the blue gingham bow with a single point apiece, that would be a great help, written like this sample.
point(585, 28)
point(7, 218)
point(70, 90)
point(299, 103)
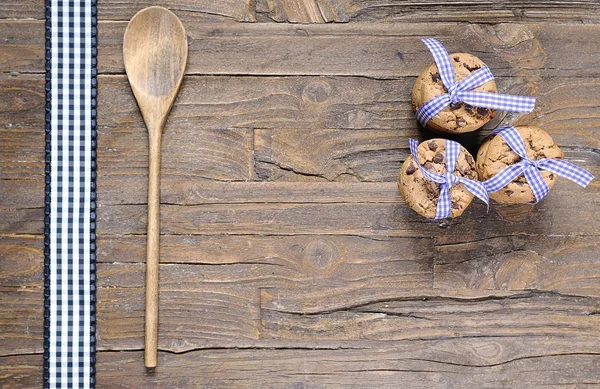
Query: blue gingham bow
point(447, 179)
point(531, 168)
point(462, 91)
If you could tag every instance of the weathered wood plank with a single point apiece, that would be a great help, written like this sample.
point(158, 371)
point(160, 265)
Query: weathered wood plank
point(560, 214)
point(23, 46)
point(207, 154)
point(301, 11)
point(22, 102)
point(564, 111)
point(386, 51)
point(215, 154)
point(318, 11)
point(21, 261)
point(566, 106)
point(208, 102)
point(209, 316)
point(196, 11)
point(291, 103)
point(210, 297)
point(328, 155)
point(513, 262)
point(455, 363)
point(20, 193)
point(276, 49)
point(293, 153)
point(435, 318)
point(21, 319)
point(274, 102)
point(215, 312)
point(339, 11)
point(198, 306)
point(299, 299)
point(382, 219)
point(127, 188)
point(301, 253)
point(333, 368)
point(340, 155)
point(355, 288)
point(566, 264)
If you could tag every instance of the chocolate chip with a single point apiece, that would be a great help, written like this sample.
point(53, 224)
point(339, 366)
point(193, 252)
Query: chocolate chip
point(470, 109)
point(428, 166)
point(551, 176)
point(520, 183)
point(439, 158)
point(471, 68)
point(435, 77)
point(457, 59)
point(432, 145)
point(460, 122)
point(482, 111)
point(411, 169)
point(469, 159)
point(455, 205)
point(509, 192)
point(454, 106)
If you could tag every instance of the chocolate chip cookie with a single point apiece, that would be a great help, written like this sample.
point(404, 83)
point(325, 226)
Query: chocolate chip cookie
point(421, 194)
point(460, 117)
point(495, 154)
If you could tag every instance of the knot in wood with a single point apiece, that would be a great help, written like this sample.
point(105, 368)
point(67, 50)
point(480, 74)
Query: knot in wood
point(316, 91)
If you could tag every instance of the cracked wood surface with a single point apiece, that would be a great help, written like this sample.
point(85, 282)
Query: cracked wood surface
point(289, 260)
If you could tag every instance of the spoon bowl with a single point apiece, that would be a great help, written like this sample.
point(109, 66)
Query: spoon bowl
point(155, 53)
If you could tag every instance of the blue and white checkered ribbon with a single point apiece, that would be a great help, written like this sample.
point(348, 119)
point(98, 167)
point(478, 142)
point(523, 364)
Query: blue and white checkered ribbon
point(448, 179)
point(462, 91)
point(531, 168)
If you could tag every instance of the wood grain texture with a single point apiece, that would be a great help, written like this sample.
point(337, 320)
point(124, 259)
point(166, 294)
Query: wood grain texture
point(288, 257)
point(403, 11)
point(307, 289)
point(198, 11)
point(565, 104)
point(386, 51)
point(551, 362)
point(337, 11)
point(273, 142)
point(560, 214)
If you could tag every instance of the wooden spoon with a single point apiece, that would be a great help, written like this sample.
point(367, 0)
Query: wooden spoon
point(155, 52)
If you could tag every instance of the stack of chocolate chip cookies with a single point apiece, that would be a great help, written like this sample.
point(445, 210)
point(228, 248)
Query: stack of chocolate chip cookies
point(494, 155)
point(493, 158)
point(456, 118)
point(421, 194)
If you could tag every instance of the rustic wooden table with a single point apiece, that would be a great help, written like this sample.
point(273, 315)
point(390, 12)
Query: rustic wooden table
point(288, 258)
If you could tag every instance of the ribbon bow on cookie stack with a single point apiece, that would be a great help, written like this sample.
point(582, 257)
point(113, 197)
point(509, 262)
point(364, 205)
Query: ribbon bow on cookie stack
point(531, 168)
point(462, 91)
point(448, 179)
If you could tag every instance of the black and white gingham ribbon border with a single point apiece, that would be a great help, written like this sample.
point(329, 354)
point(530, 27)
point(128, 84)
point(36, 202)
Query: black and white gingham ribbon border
point(70, 305)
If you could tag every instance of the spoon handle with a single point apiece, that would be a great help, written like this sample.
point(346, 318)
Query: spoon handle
point(152, 252)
